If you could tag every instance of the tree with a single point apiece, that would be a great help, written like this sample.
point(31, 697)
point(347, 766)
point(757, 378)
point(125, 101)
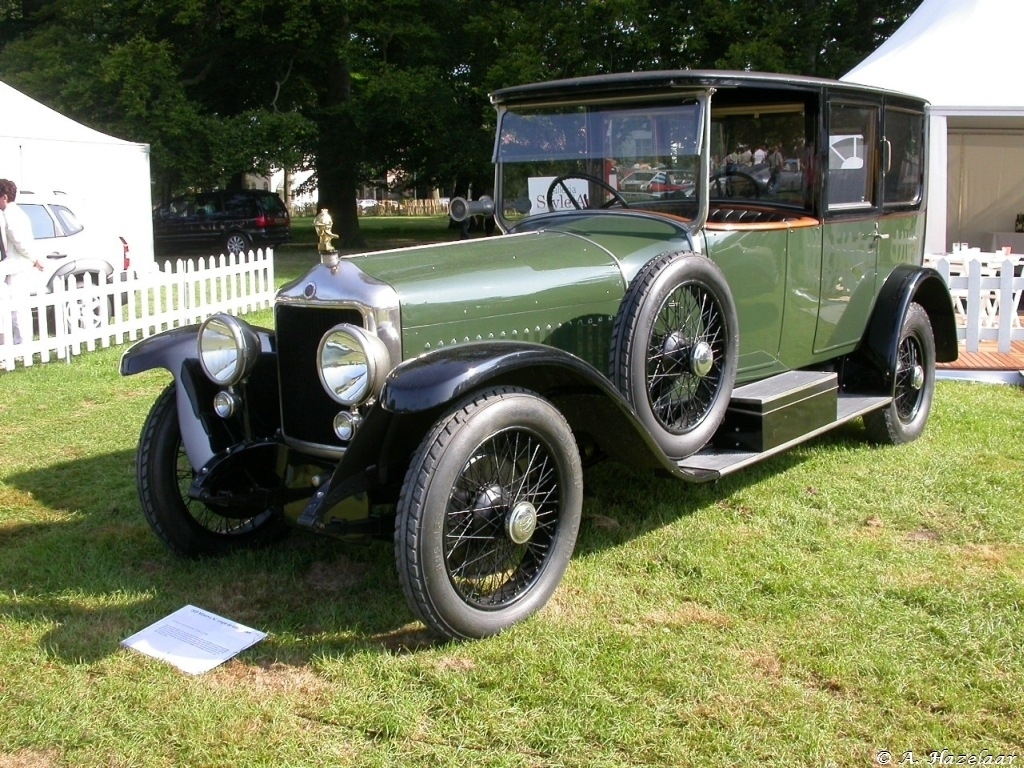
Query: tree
point(367, 89)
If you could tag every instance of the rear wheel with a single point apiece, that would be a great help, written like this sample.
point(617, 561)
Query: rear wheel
point(189, 528)
point(488, 514)
point(235, 243)
point(913, 384)
point(88, 312)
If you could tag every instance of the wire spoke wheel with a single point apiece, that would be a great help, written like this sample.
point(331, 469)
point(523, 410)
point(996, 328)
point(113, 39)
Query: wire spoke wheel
point(187, 526)
point(913, 383)
point(488, 513)
point(685, 355)
point(506, 491)
point(909, 391)
point(674, 350)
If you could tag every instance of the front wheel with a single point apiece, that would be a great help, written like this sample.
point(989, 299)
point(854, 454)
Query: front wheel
point(913, 384)
point(189, 528)
point(488, 514)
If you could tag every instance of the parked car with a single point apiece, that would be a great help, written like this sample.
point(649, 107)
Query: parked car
point(365, 205)
point(669, 183)
point(221, 221)
point(74, 253)
point(447, 396)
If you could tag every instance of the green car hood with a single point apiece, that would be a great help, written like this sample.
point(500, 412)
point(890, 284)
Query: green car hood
point(512, 287)
point(531, 286)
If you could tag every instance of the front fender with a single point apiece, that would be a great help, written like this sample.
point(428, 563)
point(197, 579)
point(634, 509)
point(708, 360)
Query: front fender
point(203, 433)
point(421, 391)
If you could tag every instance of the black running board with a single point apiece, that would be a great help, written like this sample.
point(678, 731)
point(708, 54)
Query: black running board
point(711, 463)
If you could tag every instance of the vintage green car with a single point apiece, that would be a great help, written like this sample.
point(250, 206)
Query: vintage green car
point(449, 395)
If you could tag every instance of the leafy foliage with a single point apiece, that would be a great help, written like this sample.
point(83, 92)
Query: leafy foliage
point(366, 90)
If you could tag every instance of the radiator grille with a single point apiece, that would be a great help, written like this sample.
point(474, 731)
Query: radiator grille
point(307, 412)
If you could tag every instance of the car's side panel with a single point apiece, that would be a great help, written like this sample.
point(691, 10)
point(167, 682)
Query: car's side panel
point(800, 313)
point(849, 261)
point(899, 242)
point(588, 400)
point(754, 264)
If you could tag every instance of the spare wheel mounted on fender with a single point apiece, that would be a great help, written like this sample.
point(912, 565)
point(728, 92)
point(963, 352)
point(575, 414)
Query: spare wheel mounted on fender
point(675, 345)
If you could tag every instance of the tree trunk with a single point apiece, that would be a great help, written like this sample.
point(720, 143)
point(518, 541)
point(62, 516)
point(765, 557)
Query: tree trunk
point(337, 157)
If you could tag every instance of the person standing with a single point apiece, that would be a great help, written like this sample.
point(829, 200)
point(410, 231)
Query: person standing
point(17, 255)
point(775, 164)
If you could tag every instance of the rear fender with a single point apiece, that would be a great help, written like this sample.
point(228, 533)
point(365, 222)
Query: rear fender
point(876, 358)
point(83, 267)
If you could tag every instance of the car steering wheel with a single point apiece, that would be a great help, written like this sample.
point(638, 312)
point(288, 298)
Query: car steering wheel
point(560, 182)
point(727, 176)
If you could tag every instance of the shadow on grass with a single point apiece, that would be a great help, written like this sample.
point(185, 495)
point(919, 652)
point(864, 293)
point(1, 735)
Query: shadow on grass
point(93, 569)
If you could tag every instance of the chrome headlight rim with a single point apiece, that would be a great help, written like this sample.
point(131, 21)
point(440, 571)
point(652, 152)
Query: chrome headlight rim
point(361, 362)
point(220, 335)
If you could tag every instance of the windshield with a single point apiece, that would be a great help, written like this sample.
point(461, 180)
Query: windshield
point(593, 156)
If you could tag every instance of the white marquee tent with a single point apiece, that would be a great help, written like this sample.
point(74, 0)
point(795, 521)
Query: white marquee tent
point(962, 56)
point(106, 179)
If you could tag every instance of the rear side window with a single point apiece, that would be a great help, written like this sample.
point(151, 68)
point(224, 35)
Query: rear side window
point(67, 219)
point(902, 166)
point(240, 207)
point(273, 205)
point(207, 205)
point(42, 224)
point(852, 147)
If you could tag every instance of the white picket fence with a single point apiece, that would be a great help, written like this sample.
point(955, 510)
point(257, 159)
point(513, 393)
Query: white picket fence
point(74, 318)
point(986, 296)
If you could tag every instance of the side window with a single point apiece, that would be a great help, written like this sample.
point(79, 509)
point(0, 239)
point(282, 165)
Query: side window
point(67, 220)
point(852, 150)
point(240, 206)
point(901, 162)
point(42, 224)
point(208, 205)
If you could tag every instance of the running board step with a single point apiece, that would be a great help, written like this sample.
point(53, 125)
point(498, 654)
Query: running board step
point(770, 416)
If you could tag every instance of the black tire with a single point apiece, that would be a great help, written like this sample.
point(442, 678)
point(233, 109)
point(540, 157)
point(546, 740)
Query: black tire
point(488, 514)
point(189, 528)
point(236, 242)
point(913, 384)
point(675, 347)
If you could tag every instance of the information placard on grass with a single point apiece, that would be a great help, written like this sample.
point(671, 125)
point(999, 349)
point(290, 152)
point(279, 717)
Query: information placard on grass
point(193, 640)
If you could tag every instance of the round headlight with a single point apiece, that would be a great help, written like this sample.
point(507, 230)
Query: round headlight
point(353, 364)
point(228, 349)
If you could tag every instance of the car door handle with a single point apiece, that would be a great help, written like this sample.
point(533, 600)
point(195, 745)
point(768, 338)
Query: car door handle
point(879, 235)
point(56, 255)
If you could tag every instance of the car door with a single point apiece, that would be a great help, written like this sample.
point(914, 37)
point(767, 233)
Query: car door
point(172, 220)
point(851, 235)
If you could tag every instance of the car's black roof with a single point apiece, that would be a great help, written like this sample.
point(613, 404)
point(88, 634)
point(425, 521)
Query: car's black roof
point(639, 83)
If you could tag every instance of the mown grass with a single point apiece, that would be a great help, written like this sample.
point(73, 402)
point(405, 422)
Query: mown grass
point(832, 602)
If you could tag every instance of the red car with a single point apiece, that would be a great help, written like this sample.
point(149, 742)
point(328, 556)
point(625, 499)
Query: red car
point(668, 181)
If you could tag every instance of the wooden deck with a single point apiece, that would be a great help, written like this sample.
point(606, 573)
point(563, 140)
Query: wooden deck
point(988, 358)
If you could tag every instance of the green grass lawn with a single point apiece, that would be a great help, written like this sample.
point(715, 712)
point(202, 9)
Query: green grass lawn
point(835, 601)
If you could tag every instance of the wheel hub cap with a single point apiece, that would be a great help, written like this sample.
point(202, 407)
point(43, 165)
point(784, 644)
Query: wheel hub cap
point(521, 522)
point(917, 377)
point(702, 358)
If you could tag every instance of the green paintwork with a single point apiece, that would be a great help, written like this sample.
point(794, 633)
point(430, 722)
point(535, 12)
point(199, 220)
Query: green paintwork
point(561, 287)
